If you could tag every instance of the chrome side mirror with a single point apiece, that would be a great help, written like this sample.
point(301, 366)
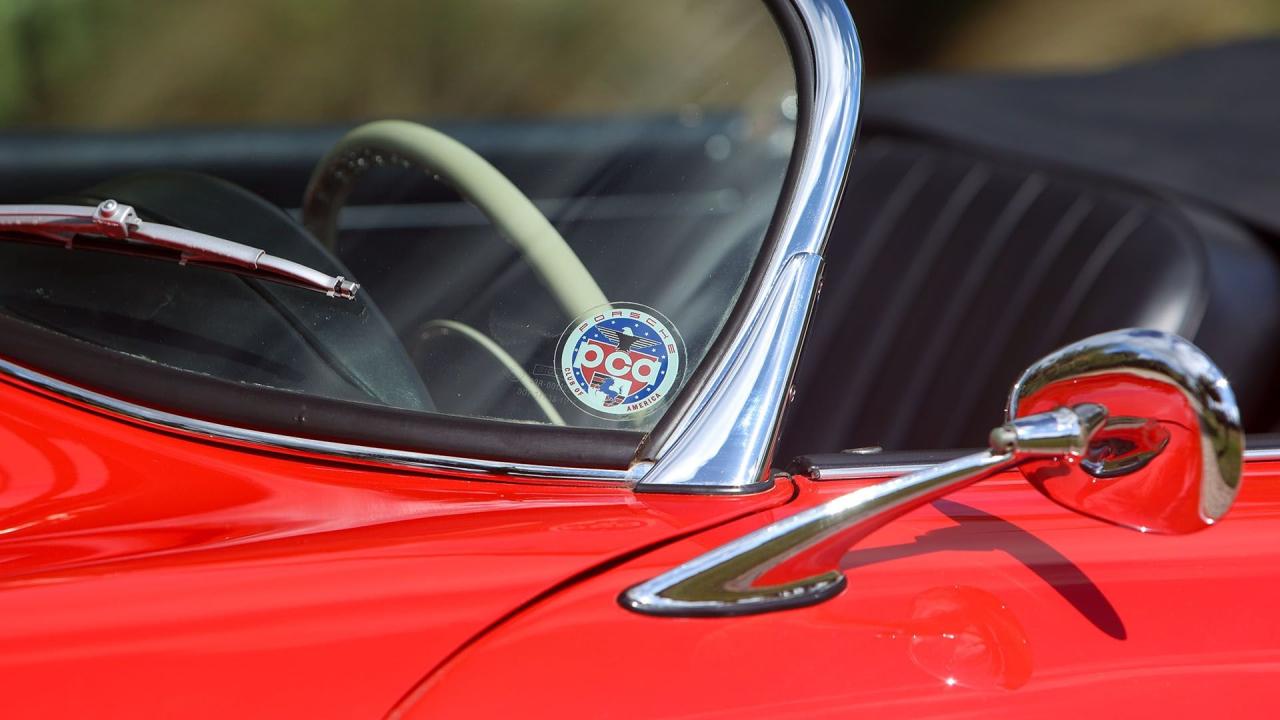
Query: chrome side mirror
point(1133, 427)
point(1167, 459)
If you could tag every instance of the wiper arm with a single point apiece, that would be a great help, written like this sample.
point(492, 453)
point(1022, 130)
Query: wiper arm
point(111, 220)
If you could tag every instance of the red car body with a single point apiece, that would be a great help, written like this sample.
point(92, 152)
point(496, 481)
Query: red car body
point(148, 574)
point(153, 571)
point(152, 575)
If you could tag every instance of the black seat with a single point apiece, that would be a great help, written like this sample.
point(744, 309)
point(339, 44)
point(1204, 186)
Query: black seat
point(949, 271)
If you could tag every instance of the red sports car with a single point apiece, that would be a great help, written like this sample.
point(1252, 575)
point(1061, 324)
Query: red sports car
point(367, 360)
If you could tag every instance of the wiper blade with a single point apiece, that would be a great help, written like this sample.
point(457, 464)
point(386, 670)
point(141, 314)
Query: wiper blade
point(117, 222)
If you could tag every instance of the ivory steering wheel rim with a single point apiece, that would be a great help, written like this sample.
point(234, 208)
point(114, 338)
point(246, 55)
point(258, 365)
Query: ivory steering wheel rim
point(408, 144)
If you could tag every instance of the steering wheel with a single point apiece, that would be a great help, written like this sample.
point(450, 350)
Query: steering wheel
point(406, 144)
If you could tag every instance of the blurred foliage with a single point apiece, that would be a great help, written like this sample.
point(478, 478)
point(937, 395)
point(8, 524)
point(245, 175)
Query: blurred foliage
point(963, 35)
point(123, 63)
point(904, 35)
point(120, 63)
point(1034, 34)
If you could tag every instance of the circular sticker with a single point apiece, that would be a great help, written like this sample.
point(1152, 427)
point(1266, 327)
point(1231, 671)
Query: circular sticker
point(620, 360)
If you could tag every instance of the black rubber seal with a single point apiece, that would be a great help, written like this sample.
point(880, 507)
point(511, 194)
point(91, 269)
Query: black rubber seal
point(268, 409)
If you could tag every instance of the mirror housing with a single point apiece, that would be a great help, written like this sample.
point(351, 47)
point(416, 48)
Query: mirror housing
point(1168, 458)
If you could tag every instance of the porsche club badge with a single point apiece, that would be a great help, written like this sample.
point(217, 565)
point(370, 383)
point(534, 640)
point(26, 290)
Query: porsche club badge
point(620, 360)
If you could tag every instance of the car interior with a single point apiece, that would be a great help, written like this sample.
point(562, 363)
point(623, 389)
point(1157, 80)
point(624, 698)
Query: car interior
point(989, 220)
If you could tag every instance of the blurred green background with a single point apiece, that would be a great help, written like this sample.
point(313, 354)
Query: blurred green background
point(980, 35)
point(123, 63)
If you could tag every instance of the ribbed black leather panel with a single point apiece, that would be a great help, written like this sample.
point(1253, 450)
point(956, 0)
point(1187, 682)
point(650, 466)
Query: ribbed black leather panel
point(949, 273)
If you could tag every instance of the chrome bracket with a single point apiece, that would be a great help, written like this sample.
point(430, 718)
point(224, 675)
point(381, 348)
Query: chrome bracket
point(749, 575)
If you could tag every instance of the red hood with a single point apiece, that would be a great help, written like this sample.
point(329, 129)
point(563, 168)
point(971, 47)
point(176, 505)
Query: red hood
point(146, 574)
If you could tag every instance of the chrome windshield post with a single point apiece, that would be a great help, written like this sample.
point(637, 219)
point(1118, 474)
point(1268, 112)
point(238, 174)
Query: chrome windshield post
point(722, 437)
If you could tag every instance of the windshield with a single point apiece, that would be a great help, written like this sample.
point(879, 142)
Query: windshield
point(549, 206)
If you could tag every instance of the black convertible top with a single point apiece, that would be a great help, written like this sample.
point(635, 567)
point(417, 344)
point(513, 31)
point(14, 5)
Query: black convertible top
point(1204, 124)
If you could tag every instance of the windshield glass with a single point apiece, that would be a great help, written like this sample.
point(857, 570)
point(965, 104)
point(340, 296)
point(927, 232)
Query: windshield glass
point(550, 206)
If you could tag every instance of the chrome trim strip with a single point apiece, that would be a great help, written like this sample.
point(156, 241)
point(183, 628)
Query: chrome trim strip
point(725, 438)
point(360, 453)
point(864, 472)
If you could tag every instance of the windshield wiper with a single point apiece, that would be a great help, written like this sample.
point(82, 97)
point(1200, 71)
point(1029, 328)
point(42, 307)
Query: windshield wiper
point(82, 225)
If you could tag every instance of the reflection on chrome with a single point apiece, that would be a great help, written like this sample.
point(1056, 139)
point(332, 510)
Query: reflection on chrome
point(1173, 362)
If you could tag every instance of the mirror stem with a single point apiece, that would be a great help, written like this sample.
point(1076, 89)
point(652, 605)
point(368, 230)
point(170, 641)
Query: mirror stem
point(754, 573)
